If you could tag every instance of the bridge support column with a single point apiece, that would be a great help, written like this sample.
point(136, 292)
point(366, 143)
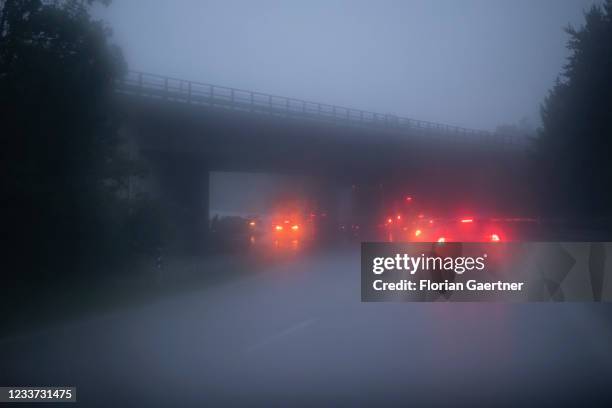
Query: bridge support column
point(184, 189)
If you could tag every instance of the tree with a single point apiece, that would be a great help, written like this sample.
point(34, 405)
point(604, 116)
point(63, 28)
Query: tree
point(575, 142)
point(60, 135)
point(524, 130)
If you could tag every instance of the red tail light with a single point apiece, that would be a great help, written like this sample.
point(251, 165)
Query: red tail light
point(278, 228)
point(495, 238)
point(467, 220)
point(295, 227)
point(441, 239)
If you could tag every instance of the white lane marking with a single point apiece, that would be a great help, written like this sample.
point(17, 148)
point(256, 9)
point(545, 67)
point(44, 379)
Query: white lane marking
point(282, 334)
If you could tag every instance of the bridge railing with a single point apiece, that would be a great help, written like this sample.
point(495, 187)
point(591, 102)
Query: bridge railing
point(197, 93)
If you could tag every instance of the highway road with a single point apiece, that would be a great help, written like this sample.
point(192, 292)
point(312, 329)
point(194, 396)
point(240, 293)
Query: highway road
point(294, 332)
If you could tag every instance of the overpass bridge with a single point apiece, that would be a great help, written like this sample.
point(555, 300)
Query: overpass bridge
point(233, 99)
point(186, 129)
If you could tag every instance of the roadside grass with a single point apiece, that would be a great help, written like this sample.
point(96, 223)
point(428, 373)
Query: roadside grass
point(27, 307)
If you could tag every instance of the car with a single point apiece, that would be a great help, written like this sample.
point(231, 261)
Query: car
point(294, 227)
point(424, 228)
point(401, 227)
point(229, 232)
point(467, 229)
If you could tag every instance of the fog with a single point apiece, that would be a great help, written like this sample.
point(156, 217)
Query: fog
point(297, 333)
point(171, 244)
point(470, 63)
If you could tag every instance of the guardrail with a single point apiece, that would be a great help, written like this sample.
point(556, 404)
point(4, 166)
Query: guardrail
point(197, 93)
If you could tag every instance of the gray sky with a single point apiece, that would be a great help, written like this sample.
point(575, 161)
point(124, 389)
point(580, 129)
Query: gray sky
point(475, 63)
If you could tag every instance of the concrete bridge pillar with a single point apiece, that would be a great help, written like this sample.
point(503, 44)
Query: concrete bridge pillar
point(184, 191)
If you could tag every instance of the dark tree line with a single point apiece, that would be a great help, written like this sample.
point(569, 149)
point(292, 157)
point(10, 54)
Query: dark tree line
point(62, 165)
point(574, 148)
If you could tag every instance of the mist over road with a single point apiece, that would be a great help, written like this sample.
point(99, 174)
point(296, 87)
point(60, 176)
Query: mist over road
point(297, 333)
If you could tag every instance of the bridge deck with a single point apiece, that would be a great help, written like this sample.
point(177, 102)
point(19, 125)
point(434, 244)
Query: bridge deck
point(196, 93)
